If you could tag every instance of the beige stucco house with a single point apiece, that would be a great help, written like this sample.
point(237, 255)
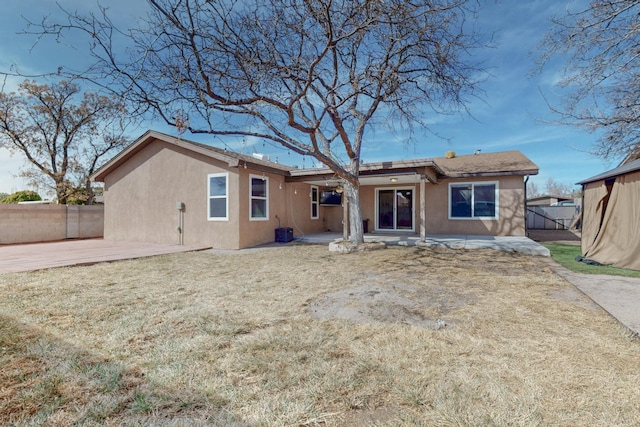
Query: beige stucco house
point(167, 189)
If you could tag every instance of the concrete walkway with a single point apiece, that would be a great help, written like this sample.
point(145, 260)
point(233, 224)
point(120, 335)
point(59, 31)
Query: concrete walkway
point(38, 256)
point(619, 296)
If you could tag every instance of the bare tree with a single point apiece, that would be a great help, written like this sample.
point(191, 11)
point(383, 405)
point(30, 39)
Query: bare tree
point(63, 138)
point(601, 79)
point(308, 75)
point(532, 190)
point(556, 188)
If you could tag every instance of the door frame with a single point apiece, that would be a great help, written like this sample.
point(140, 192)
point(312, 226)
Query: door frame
point(395, 209)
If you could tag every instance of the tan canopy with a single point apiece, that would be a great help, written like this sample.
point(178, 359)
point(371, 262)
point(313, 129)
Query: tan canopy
point(611, 221)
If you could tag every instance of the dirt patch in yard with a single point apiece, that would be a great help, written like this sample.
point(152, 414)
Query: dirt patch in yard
point(397, 303)
point(433, 298)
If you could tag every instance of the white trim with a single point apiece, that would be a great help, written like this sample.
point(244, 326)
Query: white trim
point(265, 198)
point(226, 196)
point(473, 184)
point(316, 203)
point(395, 225)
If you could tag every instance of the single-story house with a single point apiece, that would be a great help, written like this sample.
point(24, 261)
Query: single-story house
point(166, 189)
point(611, 216)
point(548, 200)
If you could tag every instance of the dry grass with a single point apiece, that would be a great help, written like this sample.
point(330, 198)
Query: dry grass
point(219, 339)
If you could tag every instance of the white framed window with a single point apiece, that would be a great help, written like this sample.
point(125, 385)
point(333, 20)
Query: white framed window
point(258, 198)
point(315, 202)
point(473, 200)
point(218, 191)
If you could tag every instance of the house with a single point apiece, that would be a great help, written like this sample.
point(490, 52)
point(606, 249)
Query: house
point(166, 189)
point(549, 200)
point(611, 216)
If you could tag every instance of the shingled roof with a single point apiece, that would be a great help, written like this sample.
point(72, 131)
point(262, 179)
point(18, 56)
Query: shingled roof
point(487, 164)
point(232, 158)
point(502, 163)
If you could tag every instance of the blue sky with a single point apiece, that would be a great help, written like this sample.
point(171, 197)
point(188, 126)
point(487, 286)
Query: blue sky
point(512, 113)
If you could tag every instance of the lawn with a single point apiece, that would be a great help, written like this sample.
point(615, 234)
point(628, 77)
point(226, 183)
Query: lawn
point(565, 255)
point(300, 336)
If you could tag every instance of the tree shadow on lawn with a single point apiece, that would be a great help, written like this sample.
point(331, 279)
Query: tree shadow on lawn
point(49, 381)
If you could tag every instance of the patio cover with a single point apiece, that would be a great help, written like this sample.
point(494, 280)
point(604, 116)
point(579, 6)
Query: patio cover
point(611, 221)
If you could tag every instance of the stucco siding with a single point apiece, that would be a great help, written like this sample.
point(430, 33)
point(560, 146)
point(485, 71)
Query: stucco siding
point(141, 197)
point(298, 212)
point(254, 232)
point(510, 221)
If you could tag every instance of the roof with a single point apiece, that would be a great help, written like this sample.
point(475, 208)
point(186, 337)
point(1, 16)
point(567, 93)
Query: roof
point(473, 165)
point(620, 170)
point(502, 163)
point(231, 158)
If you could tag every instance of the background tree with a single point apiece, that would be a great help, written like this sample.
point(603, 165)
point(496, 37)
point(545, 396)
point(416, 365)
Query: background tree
point(311, 76)
point(552, 188)
point(556, 188)
point(63, 136)
point(600, 45)
point(532, 190)
point(21, 196)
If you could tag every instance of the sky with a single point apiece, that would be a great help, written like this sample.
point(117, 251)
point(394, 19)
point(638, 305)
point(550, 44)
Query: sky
point(511, 113)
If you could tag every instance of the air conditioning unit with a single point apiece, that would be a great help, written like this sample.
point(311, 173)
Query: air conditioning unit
point(284, 234)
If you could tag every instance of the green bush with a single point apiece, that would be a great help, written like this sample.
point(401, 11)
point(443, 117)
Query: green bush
point(21, 196)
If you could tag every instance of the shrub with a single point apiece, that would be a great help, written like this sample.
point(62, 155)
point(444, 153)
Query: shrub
point(21, 196)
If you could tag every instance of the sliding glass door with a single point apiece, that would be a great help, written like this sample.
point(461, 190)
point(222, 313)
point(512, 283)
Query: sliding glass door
point(394, 209)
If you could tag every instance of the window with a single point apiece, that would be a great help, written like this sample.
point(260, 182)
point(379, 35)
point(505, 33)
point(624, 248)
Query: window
point(473, 200)
point(259, 197)
point(314, 202)
point(218, 188)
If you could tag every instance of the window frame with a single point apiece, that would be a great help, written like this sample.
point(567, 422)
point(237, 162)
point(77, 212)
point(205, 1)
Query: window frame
point(315, 203)
point(265, 179)
point(473, 184)
point(226, 196)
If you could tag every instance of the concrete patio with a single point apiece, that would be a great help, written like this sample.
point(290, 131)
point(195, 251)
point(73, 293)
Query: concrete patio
point(64, 253)
point(504, 243)
point(38, 256)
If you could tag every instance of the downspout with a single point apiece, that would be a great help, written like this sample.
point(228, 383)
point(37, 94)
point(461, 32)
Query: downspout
point(526, 207)
point(584, 186)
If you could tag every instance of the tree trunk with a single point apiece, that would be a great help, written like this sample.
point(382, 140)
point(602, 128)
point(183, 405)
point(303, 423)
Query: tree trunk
point(356, 230)
point(61, 193)
point(89, 191)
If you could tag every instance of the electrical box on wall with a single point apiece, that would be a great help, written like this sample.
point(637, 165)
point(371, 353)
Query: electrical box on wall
point(180, 206)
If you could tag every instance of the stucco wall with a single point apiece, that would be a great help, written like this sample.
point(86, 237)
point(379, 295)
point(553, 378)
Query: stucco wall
point(42, 223)
point(510, 220)
point(141, 196)
point(298, 214)
point(510, 215)
point(254, 232)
